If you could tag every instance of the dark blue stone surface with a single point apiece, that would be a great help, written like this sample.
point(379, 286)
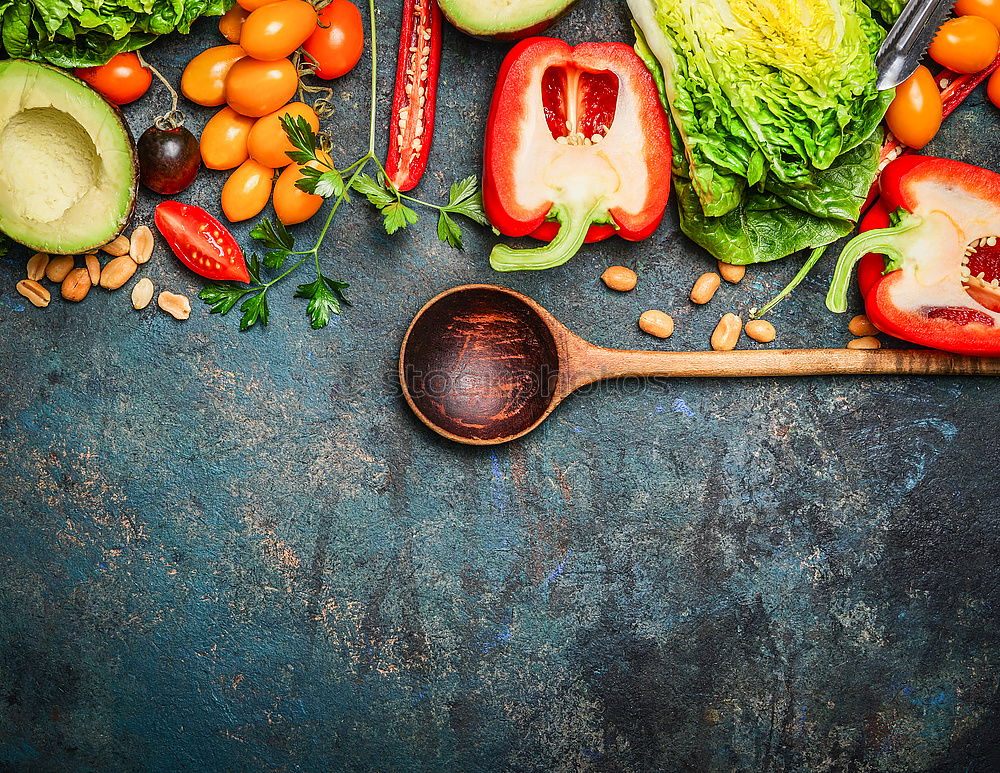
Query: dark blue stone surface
point(242, 553)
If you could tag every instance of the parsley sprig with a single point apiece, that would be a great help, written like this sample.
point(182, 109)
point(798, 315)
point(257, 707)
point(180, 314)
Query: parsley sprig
point(319, 176)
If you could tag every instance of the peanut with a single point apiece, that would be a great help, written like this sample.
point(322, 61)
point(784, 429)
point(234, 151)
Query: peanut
point(142, 293)
point(117, 272)
point(117, 247)
point(619, 278)
point(865, 342)
point(732, 273)
point(861, 326)
point(727, 333)
point(37, 264)
point(93, 268)
point(76, 285)
point(177, 306)
point(705, 287)
point(58, 268)
point(34, 292)
point(656, 323)
point(141, 247)
point(761, 330)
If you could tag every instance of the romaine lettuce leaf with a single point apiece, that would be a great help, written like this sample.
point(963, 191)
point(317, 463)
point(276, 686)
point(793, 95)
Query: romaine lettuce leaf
point(76, 33)
point(763, 90)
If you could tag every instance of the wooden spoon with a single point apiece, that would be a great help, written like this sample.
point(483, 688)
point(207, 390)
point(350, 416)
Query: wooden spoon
point(484, 365)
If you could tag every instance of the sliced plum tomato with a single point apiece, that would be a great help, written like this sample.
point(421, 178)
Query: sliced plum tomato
point(988, 9)
point(253, 5)
point(275, 30)
point(411, 128)
point(231, 23)
point(336, 45)
point(246, 191)
point(291, 204)
point(966, 44)
point(268, 144)
point(916, 112)
point(201, 242)
point(224, 139)
point(993, 88)
point(257, 88)
point(121, 80)
point(204, 78)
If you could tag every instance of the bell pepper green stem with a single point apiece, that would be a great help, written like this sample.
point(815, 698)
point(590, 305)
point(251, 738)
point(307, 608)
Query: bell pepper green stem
point(574, 223)
point(881, 241)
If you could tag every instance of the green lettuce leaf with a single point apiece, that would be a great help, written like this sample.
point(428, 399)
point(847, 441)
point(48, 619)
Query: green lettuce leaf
point(79, 33)
point(762, 91)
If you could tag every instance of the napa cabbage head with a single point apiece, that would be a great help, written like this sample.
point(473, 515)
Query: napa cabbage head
point(764, 90)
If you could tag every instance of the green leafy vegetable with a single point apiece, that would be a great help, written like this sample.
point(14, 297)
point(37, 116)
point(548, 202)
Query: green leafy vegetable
point(775, 118)
point(77, 33)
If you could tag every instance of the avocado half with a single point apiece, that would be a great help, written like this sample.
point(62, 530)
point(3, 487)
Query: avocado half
point(504, 19)
point(68, 171)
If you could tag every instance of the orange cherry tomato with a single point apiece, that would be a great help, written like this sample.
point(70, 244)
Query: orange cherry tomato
point(338, 42)
point(253, 5)
point(257, 88)
point(993, 88)
point(277, 29)
point(916, 112)
point(203, 80)
point(966, 44)
point(246, 191)
point(231, 23)
point(121, 80)
point(224, 139)
point(268, 144)
point(291, 204)
point(988, 9)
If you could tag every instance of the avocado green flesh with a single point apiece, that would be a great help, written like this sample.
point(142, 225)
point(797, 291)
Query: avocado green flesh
point(488, 18)
point(67, 169)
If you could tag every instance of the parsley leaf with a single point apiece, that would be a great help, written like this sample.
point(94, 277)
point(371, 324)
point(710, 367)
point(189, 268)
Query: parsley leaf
point(273, 236)
point(377, 194)
point(302, 137)
point(397, 215)
point(466, 199)
point(254, 310)
point(449, 231)
point(326, 184)
point(222, 296)
point(325, 299)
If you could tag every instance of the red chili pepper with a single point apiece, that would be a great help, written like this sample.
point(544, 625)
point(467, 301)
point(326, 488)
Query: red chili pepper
point(576, 140)
point(940, 280)
point(412, 128)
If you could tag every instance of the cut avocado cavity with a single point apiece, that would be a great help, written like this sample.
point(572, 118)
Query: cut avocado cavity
point(67, 162)
point(508, 19)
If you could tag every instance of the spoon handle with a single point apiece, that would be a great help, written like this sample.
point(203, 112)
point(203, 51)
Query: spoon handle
point(596, 363)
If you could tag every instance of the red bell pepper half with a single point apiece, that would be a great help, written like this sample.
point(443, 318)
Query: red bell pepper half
point(939, 283)
point(576, 138)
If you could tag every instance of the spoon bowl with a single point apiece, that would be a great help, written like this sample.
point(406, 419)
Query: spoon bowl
point(484, 365)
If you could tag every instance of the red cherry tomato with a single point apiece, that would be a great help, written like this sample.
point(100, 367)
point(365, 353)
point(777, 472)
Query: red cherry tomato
point(993, 88)
point(338, 41)
point(201, 242)
point(122, 80)
point(966, 44)
point(988, 9)
point(915, 114)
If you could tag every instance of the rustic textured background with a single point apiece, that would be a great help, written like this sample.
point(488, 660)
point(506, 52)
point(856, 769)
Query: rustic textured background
point(242, 553)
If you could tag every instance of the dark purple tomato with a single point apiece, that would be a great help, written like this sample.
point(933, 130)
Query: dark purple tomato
point(169, 159)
